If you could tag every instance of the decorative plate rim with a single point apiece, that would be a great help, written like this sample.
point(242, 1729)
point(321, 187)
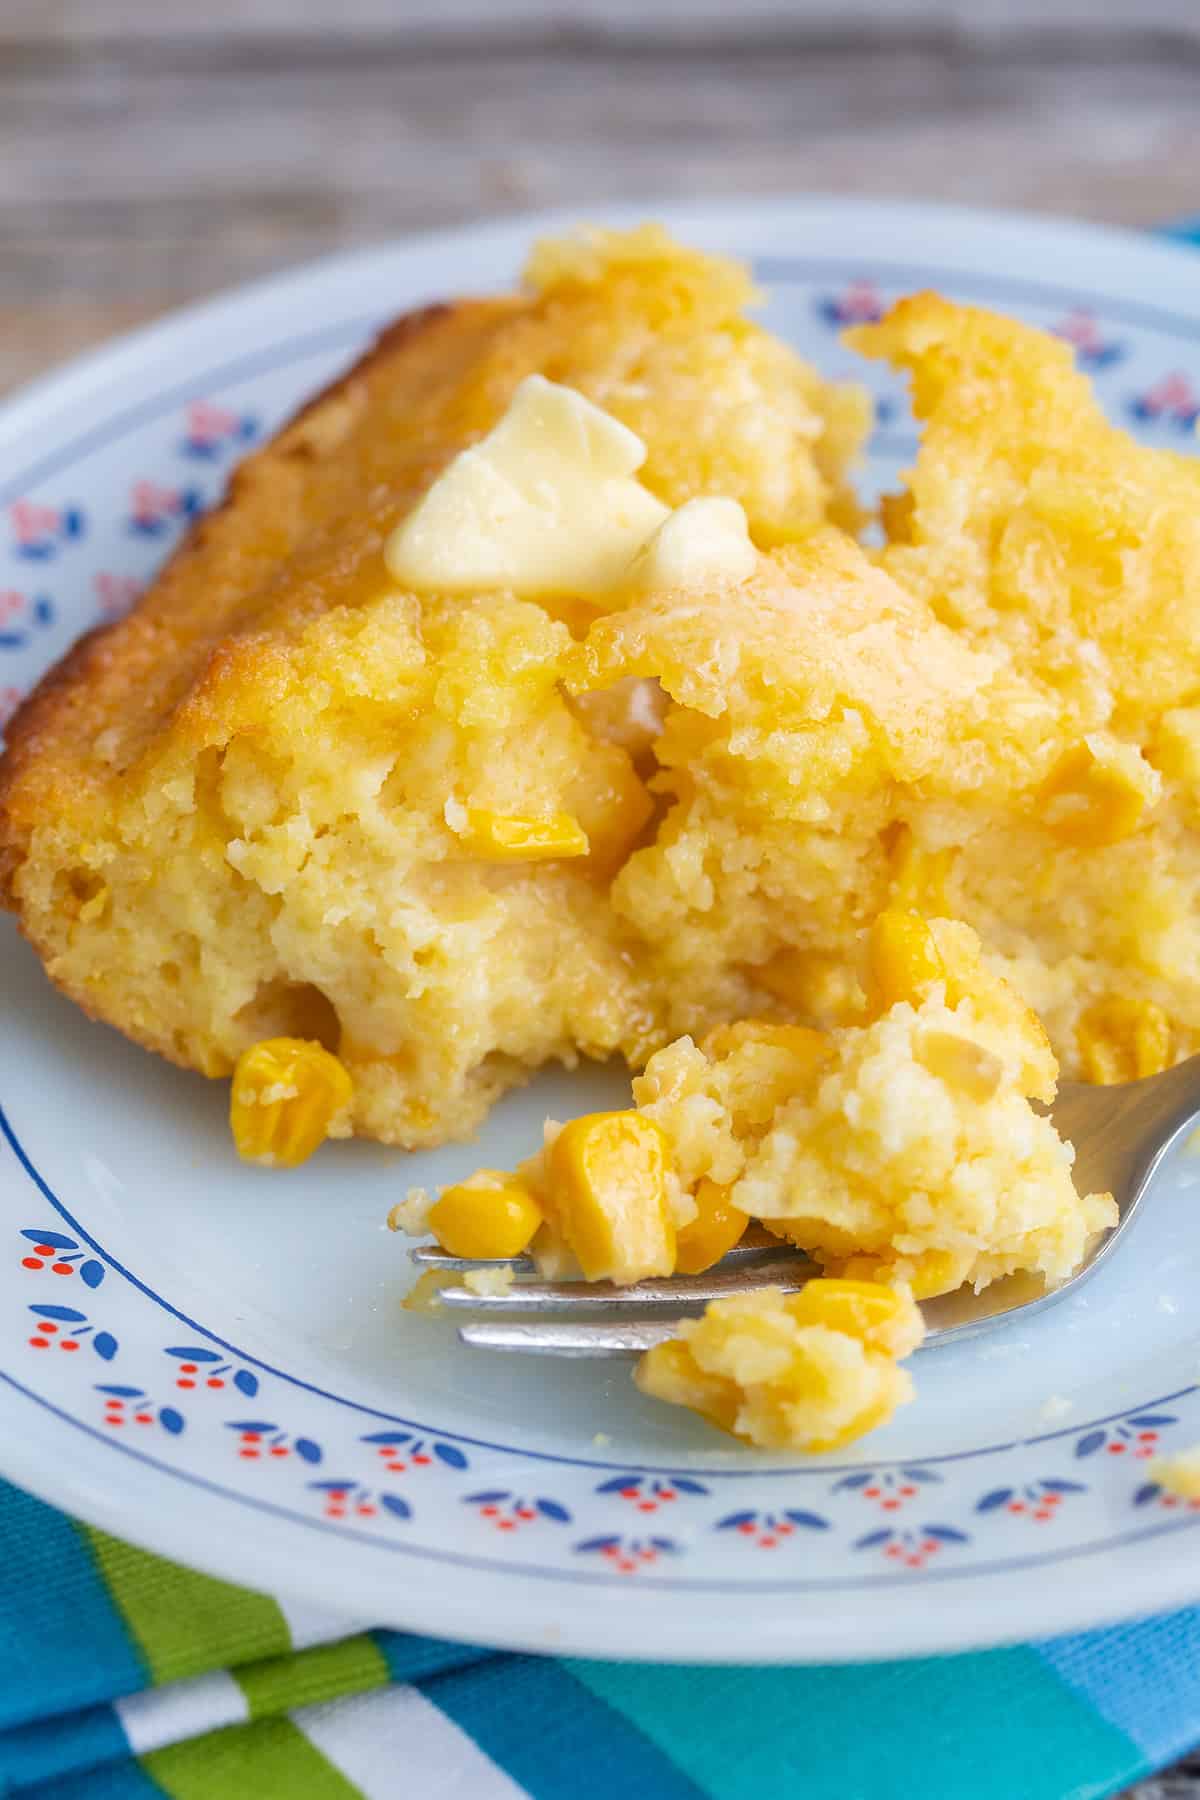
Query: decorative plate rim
point(1159, 1583)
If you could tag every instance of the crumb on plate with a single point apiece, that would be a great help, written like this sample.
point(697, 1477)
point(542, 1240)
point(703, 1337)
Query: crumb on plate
point(1178, 1474)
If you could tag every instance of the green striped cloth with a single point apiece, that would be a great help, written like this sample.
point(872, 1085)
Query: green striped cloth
point(125, 1677)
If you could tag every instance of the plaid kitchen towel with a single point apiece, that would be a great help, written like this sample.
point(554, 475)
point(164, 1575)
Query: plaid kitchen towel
point(125, 1677)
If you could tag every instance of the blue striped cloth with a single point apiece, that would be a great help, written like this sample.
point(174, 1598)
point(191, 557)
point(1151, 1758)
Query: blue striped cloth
point(122, 1675)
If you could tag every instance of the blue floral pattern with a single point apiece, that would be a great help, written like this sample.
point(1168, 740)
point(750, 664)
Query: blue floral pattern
point(176, 1395)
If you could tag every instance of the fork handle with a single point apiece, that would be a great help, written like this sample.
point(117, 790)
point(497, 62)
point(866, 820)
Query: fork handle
point(1122, 1133)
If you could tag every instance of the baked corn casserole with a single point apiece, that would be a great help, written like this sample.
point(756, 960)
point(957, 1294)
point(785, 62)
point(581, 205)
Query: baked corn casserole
point(533, 697)
point(901, 1152)
point(296, 796)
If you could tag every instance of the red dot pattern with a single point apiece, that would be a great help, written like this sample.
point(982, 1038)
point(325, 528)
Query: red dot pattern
point(1041, 1511)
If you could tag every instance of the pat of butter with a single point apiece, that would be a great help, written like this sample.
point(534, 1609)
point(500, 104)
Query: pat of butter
point(546, 503)
point(703, 541)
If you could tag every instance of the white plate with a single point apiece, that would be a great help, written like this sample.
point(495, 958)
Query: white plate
point(181, 1301)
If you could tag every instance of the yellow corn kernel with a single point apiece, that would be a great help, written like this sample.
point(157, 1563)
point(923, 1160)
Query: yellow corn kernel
point(859, 1268)
point(881, 1318)
point(896, 516)
point(769, 1064)
point(607, 1194)
point(783, 1374)
point(788, 975)
point(1123, 1040)
point(670, 1372)
point(716, 1228)
point(938, 1272)
point(1096, 795)
point(927, 1274)
point(918, 875)
point(522, 837)
point(812, 982)
point(903, 961)
point(490, 1215)
point(286, 1093)
point(960, 1062)
point(878, 1413)
point(613, 813)
point(1176, 750)
point(808, 1046)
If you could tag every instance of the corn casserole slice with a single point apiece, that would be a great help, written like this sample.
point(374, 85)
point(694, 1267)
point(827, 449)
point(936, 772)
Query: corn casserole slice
point(290, 798)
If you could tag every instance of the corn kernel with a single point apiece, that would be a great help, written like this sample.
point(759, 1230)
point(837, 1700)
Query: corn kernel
point(960, 1063)
point(522, 837)
point(930, 1273)
point(878, 1413)
point(96, 907)
point(286, 1093)
point(881, 1318)
point(896, 516)
point(918, 875)
point(787, 975)
point(903, 961)
point(812, 982)
point(491, 1215)
point(1096, 795)
point(1123, 1040)
point(716, 1228)
point(670, 1372)
point(809, 1047)
point(1176, 749)
point(786, 1372)
point(607, 1194)
point(613, 814)
point(938, 1272)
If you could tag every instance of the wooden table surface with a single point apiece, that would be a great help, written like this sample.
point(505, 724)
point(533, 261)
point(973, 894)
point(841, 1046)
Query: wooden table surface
point(153, 153)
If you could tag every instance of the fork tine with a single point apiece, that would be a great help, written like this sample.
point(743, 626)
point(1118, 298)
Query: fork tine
point(757, 1245)
point(595, 1337)
point(683, 1294)
point(430, 1256)
point(549, 1337)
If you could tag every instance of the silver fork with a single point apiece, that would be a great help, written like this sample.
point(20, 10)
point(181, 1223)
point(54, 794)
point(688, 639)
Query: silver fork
point(1120, 1134)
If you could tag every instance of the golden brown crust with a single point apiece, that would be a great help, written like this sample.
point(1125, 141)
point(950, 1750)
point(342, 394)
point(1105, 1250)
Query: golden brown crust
point(27, 728)
point(226, 817)
point(398, 335)
point(58, 713)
